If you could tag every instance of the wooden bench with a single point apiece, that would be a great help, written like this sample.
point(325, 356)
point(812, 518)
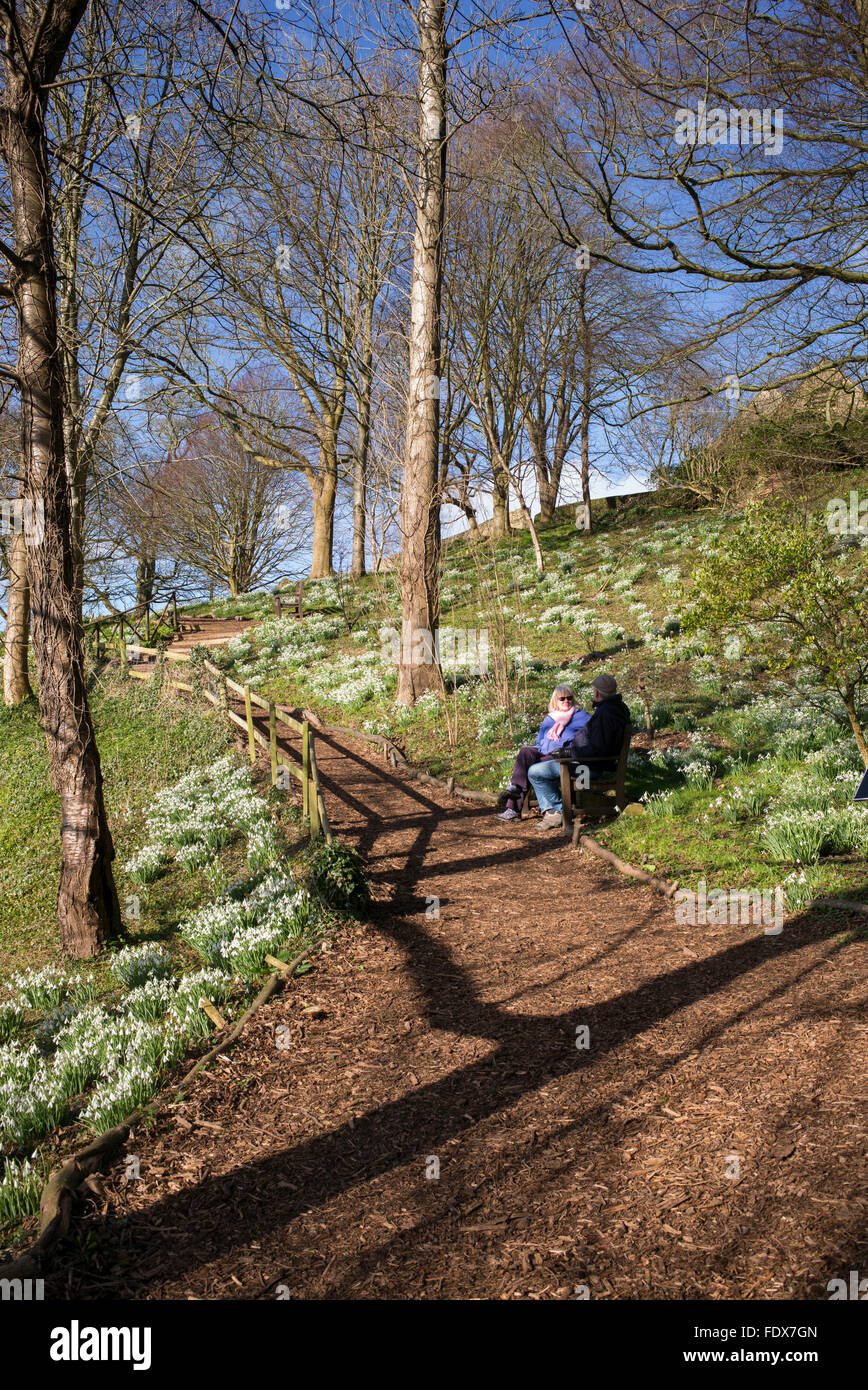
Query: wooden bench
point(596, 797)
point(295, 607)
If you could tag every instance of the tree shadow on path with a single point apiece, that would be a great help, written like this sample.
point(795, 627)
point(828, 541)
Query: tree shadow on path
point(267, 1195)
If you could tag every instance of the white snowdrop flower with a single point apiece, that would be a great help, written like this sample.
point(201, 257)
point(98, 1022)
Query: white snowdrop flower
point(134, 964)
point(146, 865)
point(41, 989)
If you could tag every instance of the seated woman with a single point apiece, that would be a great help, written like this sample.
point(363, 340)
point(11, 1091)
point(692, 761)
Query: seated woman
point(600, 736)
point(560, 726)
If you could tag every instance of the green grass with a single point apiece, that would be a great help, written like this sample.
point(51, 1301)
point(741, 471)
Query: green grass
point(142, 749)
point(697, 841)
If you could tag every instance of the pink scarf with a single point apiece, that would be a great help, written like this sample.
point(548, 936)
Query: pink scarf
point(561, 719)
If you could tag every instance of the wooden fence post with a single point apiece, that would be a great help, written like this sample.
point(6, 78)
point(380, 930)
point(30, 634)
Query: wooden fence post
point(249, 709)
point(121, 648)
point(272, 740)
point(305, 770)
point(317, 827)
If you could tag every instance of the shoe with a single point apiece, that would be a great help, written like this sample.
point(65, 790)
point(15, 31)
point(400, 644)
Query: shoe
point(551, 820)
point(508, 814)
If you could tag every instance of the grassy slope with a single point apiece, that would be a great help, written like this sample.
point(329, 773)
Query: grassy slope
point(148, 742)
point(692, 693)
point(142, 750)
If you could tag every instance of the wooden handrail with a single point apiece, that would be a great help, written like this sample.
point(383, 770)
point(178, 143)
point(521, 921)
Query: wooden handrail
point(155, 651)
point(287, 717)
point(313, 804)
point(132, 615)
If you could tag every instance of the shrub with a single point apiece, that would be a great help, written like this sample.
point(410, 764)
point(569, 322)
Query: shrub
point(337, 874)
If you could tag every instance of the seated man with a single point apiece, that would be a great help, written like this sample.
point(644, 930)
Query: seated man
point(603, 734)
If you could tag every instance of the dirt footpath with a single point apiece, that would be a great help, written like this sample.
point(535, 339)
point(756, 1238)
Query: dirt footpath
point(211, 632)
point(526, 1082)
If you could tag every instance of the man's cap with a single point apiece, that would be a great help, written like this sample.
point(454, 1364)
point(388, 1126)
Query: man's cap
point(606, 685)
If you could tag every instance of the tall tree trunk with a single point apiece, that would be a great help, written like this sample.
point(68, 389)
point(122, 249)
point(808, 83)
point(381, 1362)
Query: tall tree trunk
point(363, 444)
point(77, 491)
point(324, 482)
point(500, 501)
point(146, 574)
point(324, 487)
point(547, 487)
point(418, 668)
point(547, 498)
point(359, 503)
point(856, 725)
point(587, 356)
point(88, 908)
point(16, 682)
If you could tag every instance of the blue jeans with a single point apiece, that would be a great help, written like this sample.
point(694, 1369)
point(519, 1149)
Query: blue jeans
point(545, 778)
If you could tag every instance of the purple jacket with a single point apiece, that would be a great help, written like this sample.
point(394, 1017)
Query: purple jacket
point(578, 720)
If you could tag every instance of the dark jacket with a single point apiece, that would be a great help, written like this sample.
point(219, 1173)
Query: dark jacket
point(578, 719)
point(604, 732)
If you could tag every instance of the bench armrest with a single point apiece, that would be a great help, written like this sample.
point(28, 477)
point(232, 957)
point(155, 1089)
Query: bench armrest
point(596, 758)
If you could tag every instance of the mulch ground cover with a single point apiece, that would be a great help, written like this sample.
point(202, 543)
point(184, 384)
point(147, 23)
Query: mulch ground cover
point(519, 1079)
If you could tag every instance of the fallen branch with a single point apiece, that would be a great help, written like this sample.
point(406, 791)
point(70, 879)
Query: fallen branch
point(846, 903)
point(663, 885)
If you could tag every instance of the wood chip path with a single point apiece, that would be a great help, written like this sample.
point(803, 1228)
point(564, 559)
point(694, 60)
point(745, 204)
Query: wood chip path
point(430, 1128)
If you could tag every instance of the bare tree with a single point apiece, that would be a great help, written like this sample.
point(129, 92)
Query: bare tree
point(418, 669)
point(721, 149)
point(125, 134)
point(33, 47)
point(221, 511)
point(496, 270)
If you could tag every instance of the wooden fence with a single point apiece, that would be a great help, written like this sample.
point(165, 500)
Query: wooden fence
point(109, 631)
point(313, 806)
